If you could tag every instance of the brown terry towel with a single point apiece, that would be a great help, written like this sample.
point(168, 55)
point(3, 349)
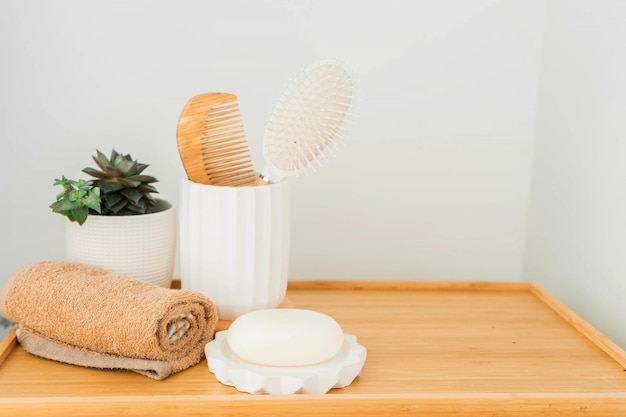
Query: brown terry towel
point(83, 315)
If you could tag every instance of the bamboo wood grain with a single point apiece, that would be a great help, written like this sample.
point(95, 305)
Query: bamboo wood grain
point(448, 349)
point(7, 344)
point(212, 143)
point(603, 342)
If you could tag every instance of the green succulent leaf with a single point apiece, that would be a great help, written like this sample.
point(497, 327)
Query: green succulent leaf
point(130, 183)
point(141, 167)
point(77, 195)
point(64, 182)
point(125, 212)
point(149, 200)
point(95, 173)
point(101, 160)
point(141, 208)
point(147, 188)
point(69, 205)
point(56, 206)
point(126, 167)
point(92, 200)
point(132, 194)
point(116, 208)
point(80, 215)
point(110, 186)
point(112, 199)
point(146, 179)
point(113, 172)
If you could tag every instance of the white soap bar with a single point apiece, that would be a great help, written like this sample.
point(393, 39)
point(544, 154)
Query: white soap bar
point(285, 337)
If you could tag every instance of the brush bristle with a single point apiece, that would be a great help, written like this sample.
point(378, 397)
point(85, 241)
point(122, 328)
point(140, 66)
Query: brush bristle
point(308, 120)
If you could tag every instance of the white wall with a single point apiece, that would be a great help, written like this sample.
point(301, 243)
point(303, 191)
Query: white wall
point(432, 184)
point(577, 219)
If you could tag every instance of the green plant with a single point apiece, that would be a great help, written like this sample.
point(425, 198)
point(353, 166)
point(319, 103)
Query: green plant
point(76, 199)
point(119, 189)
point(124, 189)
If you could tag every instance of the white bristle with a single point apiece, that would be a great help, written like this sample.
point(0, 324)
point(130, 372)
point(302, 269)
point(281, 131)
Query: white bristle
point(309, 119)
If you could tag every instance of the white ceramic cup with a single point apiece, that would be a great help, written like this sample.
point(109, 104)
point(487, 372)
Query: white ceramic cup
point(234, 245)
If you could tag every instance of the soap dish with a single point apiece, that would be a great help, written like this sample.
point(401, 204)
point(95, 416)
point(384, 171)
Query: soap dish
point(337, 372)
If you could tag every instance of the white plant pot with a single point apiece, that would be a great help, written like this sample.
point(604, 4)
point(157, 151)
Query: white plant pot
point(140, 246)
point(234, 245)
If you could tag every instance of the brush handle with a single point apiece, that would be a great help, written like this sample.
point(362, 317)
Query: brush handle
point(271, 175)
point(261, 180)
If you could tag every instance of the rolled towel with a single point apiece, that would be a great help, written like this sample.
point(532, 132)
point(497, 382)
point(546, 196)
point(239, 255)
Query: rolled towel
point(83, 315)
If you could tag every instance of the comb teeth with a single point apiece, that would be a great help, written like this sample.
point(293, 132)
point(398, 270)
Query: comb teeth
point(212, 141)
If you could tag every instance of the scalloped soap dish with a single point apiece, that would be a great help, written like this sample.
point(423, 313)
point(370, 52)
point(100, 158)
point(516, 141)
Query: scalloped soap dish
point(336, 372)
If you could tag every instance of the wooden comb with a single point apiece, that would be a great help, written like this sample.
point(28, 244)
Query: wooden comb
point(212, 142)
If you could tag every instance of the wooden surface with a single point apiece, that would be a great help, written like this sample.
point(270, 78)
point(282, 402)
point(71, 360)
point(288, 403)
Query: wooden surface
point(442, 349)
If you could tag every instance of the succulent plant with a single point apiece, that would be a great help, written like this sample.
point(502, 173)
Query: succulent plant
point(77, 199)
point(124, 190)
point(119, 189)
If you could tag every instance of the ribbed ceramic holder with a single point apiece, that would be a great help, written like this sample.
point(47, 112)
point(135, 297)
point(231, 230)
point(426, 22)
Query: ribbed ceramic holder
point(234, 245)
point(141, 246)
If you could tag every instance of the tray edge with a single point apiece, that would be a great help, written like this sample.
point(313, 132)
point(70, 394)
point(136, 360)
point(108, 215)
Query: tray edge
point(582, 326)
point(374, 285)
point(7, 344)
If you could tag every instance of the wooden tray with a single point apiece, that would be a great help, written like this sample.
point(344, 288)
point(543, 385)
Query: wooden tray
point(449, 349)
